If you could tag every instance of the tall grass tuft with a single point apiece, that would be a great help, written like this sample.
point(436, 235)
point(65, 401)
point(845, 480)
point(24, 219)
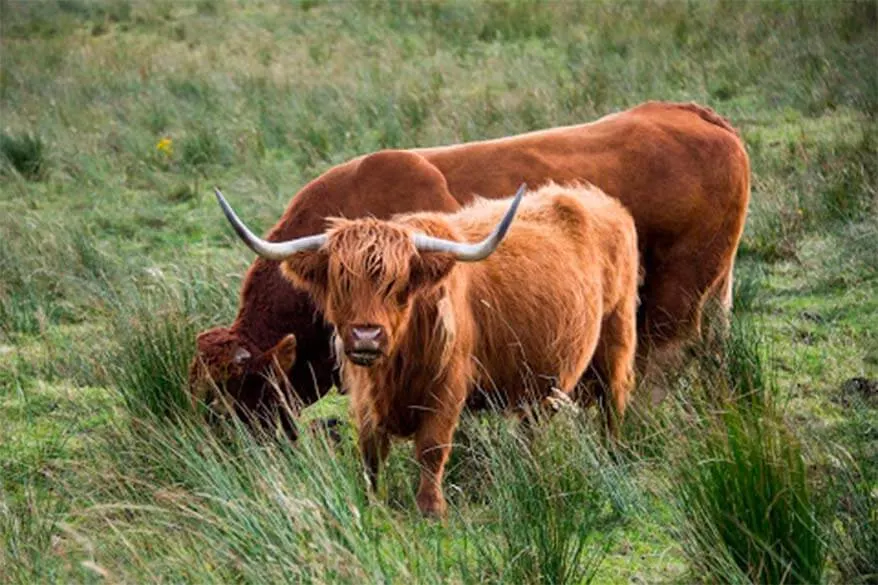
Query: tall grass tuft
point(27, 525)
point(25, 153)
point(749, 513)
point(556, 499)
point(746, 364)
point(740, 483)
point(855, 531)
point(156, 329)
point(204, 146)
point(22, 311)
point(732, 368)
point(152, 361)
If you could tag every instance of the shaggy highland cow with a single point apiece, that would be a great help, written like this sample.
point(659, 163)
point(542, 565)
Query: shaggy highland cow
point(424, 318)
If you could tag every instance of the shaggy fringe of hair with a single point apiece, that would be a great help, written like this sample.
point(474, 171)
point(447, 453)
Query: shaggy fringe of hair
point(368, 253)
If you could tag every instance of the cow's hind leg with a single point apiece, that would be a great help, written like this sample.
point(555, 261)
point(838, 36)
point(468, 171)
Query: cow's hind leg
point(673, 302)
point(723, 289)
point(718, 312)
point(613, 363)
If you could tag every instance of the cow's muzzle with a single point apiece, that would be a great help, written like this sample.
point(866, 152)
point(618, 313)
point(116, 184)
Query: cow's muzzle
point(365, 344)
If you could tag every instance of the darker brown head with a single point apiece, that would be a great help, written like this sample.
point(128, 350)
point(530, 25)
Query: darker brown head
point(231, 364)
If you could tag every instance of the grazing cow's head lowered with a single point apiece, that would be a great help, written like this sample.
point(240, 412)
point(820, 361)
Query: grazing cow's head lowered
point(364, 273)
point(226, 360)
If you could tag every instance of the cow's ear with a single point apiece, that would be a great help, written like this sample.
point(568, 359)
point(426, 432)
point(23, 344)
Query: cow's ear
point(283, 355)
point(208, 341)
point(428, 269)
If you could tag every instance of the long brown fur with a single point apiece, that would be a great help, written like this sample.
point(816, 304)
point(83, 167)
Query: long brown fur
point(455, 328)
point(680, 169)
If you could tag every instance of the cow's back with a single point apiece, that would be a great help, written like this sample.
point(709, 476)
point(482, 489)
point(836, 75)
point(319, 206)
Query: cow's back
point(539, 300)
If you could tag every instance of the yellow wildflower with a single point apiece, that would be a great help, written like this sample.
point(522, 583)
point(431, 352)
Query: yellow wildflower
point(165, 146)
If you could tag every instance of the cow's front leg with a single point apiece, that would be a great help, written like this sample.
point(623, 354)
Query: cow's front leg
point(432, 448)
point(374, 446)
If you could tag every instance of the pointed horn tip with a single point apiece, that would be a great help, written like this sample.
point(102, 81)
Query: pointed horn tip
point(513, 207)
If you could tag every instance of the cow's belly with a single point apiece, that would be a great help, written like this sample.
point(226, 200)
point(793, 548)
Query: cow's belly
point(522, 384)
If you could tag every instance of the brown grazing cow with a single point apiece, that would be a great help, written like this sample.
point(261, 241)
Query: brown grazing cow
point(680, 169)
point(422, 319)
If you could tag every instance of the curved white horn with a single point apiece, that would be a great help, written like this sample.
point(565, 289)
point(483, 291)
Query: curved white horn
point(269, 250)
point(479, 250)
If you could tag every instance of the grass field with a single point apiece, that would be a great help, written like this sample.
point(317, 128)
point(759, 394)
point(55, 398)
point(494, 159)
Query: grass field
point(119, 115)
